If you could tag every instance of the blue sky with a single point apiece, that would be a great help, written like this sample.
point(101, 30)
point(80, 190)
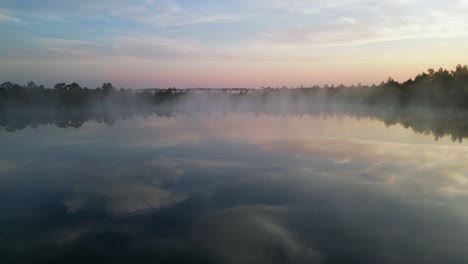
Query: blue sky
point(155, 43)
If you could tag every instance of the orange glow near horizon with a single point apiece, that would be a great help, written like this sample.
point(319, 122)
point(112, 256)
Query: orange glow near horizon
point(175, 45)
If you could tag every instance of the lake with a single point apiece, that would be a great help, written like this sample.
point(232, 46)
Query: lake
point(233, 188)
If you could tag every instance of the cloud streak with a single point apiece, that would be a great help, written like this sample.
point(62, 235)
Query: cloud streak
point(386, 23)
point(285, 40)
point(6, 17)
point(160, 13)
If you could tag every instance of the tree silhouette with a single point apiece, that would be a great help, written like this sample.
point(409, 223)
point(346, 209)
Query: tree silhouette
point(69, 105)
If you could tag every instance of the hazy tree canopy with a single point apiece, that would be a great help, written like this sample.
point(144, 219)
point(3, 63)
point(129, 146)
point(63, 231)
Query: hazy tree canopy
point(107, 87)
point(436, 92)
point(435, 89)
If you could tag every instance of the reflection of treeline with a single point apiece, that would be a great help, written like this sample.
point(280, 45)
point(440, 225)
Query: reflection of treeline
point(425, 103)
point(422, 120)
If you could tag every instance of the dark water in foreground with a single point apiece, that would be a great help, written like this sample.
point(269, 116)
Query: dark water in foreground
point(232, 189)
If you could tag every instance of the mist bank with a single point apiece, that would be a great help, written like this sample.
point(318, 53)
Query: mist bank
point(434, 102)
point(434, 89)
point(439, 123)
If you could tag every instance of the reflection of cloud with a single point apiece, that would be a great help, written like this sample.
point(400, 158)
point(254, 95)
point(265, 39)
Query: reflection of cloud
point(8, 173)
point(122, 198)
point(6, 165)
point(412, 170)
point(197, 163)
point(331, 190)
point(253, 235)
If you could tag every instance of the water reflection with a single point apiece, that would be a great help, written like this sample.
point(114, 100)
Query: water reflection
point(234, 188)
point(437, 122)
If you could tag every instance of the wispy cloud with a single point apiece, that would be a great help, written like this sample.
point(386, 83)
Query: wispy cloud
point(290, 33)
point(382, 28)
point(311, 7)
point(155, 48)
point(127, 48)
point(179, 20)
point(123, 48)
point(159, 13)
point(6, 17)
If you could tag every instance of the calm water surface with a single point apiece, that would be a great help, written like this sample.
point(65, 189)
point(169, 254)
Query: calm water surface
point(236, 188)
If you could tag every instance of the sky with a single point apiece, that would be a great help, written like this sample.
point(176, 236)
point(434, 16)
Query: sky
point(223, 43)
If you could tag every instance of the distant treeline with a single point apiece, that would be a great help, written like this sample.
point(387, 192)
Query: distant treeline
point(434, 102)
point(72, 95)
point(434, 89)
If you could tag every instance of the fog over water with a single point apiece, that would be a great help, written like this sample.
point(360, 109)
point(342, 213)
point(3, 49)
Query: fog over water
point(232, 188)
point(233, 132)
